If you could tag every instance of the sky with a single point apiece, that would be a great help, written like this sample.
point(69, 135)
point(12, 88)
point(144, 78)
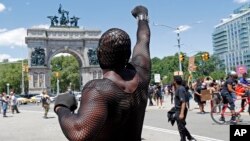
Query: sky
point(195, 18)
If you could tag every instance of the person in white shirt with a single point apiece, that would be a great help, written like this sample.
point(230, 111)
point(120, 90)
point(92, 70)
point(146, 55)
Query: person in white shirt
point(13, 103)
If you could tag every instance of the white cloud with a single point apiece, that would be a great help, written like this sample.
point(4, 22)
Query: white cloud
point(46, 26)
point(241, 1)
point(8, 57)
point(2, 7)
point(15, 37)
point(3, 30)
point(183, 28)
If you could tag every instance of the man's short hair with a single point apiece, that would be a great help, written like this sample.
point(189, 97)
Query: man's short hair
point(178, 79)
point(114, 49)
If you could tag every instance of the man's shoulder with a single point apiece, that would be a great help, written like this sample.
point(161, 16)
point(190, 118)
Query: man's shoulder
point(97, 84)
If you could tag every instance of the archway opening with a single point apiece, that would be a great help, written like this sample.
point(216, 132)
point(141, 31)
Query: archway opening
point(65, 73)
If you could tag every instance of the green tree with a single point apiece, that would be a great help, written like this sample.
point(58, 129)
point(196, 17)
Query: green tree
point(68, 68)
point(11, 72)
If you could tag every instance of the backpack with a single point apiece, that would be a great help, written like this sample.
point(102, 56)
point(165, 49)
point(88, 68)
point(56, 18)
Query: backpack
point(45, 100)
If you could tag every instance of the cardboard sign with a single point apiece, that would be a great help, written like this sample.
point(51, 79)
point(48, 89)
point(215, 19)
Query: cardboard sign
point(157, 78)
point(191, 65)
point(241, 69)
point(205, 95)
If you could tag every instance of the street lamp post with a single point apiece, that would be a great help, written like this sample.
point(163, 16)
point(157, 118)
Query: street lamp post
point(57, 84)
point(22, 78)
point(178, 41)
point(8, 88)
point(179, 48)
point(177, 30)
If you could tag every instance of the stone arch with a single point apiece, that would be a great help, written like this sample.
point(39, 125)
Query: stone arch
point(77, 55)
point(74, 41)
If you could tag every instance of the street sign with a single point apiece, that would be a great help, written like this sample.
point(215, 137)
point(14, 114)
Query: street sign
point(157, 78)
point(191, 64)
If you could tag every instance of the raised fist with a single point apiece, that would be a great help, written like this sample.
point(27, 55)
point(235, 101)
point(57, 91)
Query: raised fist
point(139, 10)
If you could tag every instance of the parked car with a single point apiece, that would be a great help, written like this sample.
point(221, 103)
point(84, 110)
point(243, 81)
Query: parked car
point(36, 99)
point(28, 96)
point(21, 100)
point(52, 97)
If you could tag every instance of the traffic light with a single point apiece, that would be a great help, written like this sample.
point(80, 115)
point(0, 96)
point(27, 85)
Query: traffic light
point(205, 56)
point(25, 68)
point(57, 74)
point(182, 57)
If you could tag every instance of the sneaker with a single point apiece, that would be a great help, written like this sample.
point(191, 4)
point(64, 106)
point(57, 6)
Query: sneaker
point(222, 118)
point(192, 139)
point(233, 120)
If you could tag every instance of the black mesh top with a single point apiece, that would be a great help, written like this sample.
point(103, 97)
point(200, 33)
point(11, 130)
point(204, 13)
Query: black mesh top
point(106, 112)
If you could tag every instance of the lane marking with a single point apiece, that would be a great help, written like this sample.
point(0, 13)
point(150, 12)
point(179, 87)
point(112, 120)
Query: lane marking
point(152, 128)
point(177, 133)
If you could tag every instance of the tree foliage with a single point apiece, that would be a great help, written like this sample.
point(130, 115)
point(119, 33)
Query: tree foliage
point(11, 73)
point(168, 65)
point(68, 68)
point(69, 73)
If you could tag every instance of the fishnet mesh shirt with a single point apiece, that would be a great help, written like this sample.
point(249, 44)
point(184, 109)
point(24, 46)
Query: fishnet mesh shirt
point(106, 112)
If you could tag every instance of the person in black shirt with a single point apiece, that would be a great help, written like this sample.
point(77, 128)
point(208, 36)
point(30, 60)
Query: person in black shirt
point(181, 109)
point(197, 96)
point(227, 95)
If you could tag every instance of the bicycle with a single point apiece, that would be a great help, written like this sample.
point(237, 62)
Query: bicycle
point(223, 110)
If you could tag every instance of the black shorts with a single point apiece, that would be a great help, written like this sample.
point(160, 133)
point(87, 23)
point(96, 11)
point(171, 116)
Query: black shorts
point(228, 98)
point(198, 100)
point(158, 95)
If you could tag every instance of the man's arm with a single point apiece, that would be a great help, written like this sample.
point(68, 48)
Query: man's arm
point(88, 121)
point(182, 96)
point(141, 54)
point(230, 88)
point(183, 106)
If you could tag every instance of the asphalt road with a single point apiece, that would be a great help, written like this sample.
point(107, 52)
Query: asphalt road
point(30, 126)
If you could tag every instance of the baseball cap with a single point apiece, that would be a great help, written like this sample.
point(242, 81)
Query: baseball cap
point(232, 73)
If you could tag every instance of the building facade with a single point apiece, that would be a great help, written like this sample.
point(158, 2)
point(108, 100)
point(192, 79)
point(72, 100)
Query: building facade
point(231, 39)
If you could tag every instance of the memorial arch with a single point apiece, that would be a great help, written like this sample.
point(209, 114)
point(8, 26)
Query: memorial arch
point(44, 43)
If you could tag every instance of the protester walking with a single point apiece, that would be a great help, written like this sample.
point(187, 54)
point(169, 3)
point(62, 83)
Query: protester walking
point(181, 100)
point(150, 95)
point(1, 103)
point(13, 103)
point(5, 101)
point(45, 103)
